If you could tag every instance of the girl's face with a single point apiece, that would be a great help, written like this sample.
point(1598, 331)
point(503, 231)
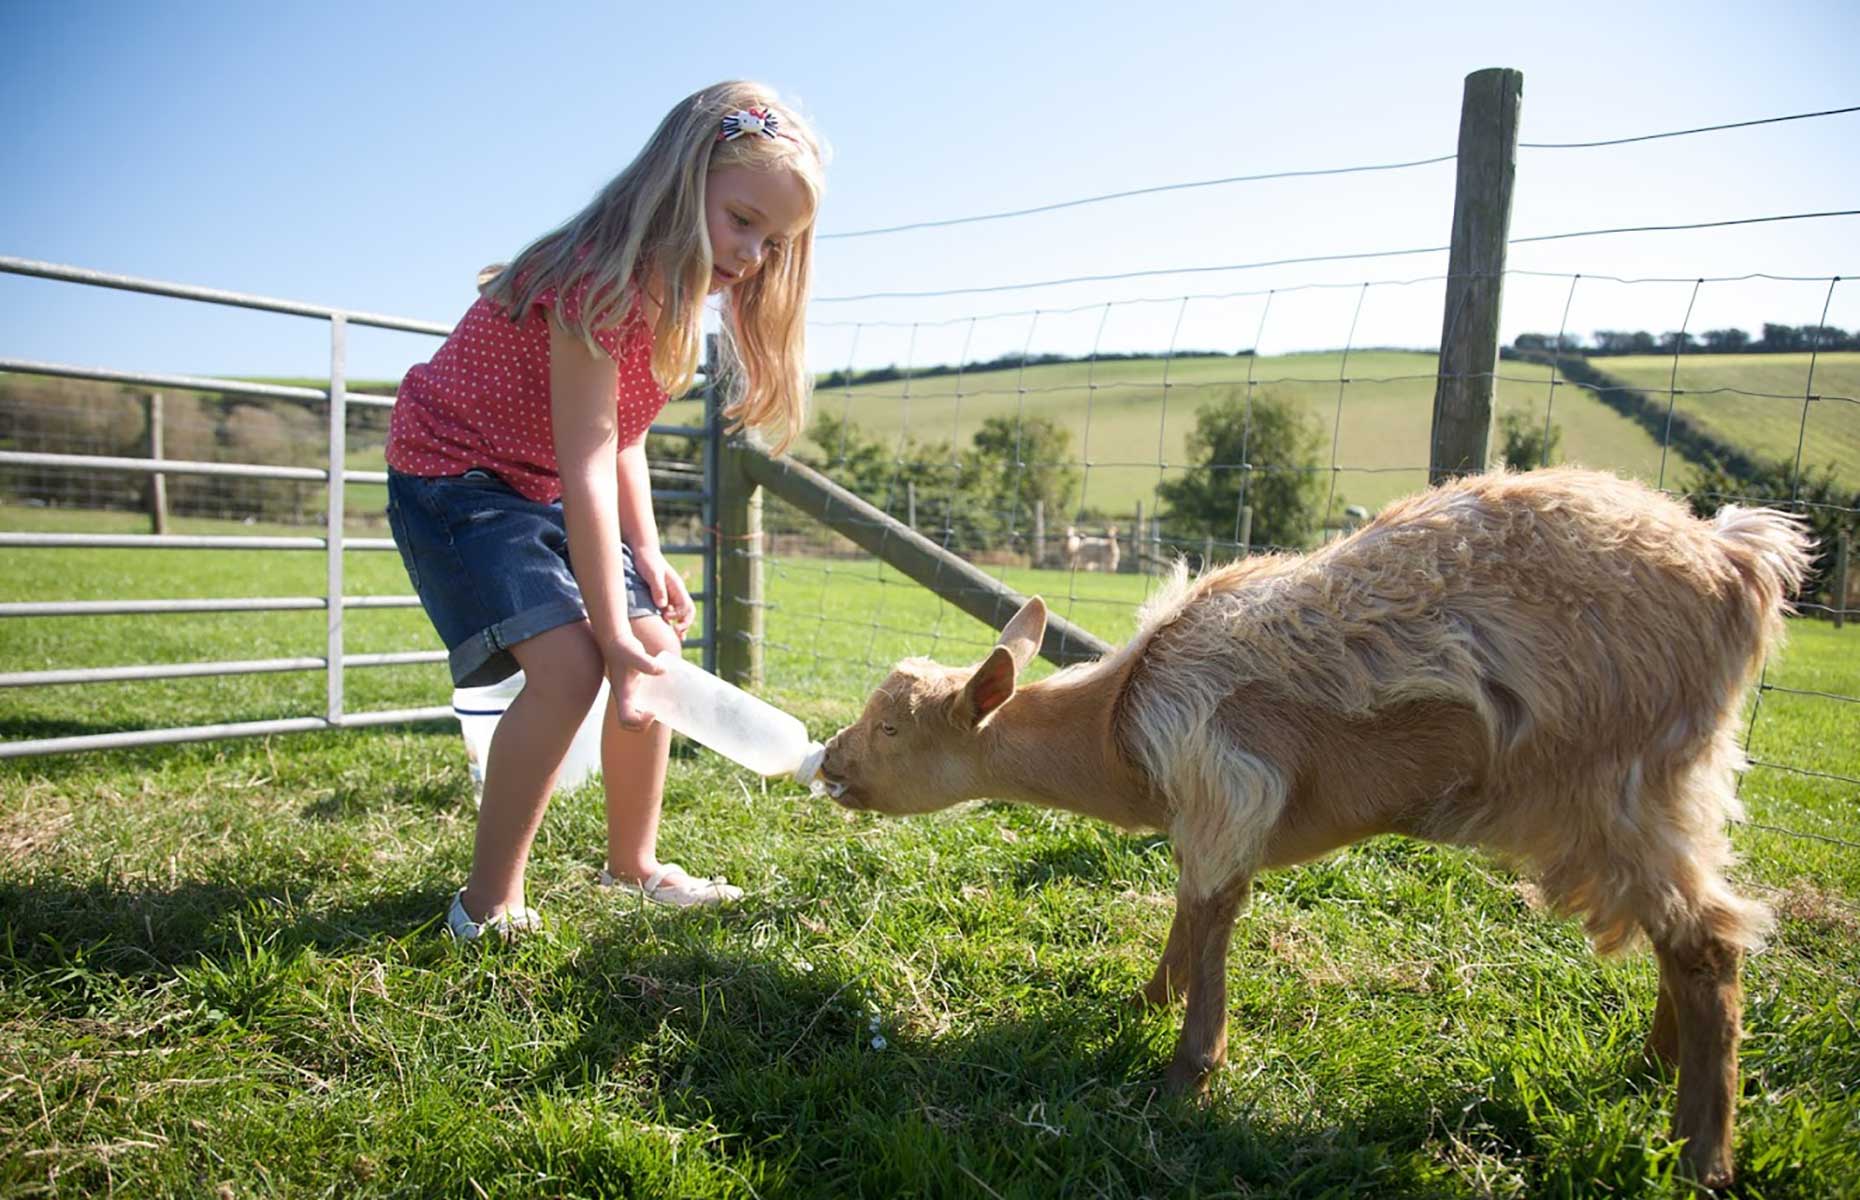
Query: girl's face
point(751, 214)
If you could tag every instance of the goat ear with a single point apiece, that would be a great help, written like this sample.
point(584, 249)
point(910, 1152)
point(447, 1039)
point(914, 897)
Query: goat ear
point(1023, 633)
point(989, 688)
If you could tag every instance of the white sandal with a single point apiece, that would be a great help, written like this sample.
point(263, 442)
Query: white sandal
point(506, 925)
point(688, 892)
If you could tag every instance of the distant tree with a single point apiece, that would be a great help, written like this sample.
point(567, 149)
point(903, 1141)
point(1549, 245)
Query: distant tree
point(1019, 463)
point(1673, 342)
point(1549, 343)
point(1825, 337)
point(848, 456)
point(1781, 338)
point(1622, 341)
point(1524, 444)
point(1272, 450)
point(880, 471)
point(1725, 341)
point(973, 501)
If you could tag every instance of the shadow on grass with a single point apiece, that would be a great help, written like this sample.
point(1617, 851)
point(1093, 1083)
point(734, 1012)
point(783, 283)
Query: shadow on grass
point(777, 1054)
point(1089, 862)
point(21, 729)
point(1066, 1097)
point(141, 760)
point(129, 931)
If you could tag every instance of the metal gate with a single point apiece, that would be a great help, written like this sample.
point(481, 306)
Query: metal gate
point(334, 663)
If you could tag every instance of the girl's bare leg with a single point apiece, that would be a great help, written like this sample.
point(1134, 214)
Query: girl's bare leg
point(633, 772)
point(563, 671)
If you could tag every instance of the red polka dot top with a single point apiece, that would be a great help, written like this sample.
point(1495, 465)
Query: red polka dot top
point(483, 400)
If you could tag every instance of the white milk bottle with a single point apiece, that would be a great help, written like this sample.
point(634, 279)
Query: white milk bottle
point(480, 709)
point(727, 719)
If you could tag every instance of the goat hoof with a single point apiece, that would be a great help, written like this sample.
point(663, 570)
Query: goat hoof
point(1189, 1078)
point(1713, 1175)
point(1661, 1051)
point(1660, 1058)
point(1146, 998)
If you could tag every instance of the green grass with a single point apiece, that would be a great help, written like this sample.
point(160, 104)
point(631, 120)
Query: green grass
point(1757, 401)
point(1381, 425)
point(219, 966)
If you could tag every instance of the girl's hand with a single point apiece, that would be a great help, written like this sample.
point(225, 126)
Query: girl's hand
point(627, 660)
point(667, 587)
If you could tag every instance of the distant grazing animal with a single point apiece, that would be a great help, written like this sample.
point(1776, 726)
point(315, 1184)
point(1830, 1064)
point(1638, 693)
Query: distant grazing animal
point(1546, 664)
point(1087, 553)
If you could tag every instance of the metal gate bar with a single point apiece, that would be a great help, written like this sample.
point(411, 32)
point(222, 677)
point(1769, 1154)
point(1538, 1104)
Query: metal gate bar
point(334, 477)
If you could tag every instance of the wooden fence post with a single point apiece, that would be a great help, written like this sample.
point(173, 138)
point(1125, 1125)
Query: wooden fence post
point(1039, 533)
point(738, 543)
point(1246, 530)
point(1137, 565)
point(1488, 151)
point(1841, 548)
point(158, 482)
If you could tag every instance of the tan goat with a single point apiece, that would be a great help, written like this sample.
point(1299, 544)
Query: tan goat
point(1546, 664)
point(1089, 553)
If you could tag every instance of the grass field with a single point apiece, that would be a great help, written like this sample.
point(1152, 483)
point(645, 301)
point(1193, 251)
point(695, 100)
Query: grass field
point(1757, 401)
point(1124, 423)
point(219, 971)
point(1381, 417)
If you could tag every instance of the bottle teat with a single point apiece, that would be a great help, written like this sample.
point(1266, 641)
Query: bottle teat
point(809, 770)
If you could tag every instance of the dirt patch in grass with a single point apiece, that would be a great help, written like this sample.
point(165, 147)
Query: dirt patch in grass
point(1321, 965)
point(1805, 901)
point(37, 823)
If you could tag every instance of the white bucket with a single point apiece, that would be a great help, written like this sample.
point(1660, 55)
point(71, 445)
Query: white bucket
point(480, 709)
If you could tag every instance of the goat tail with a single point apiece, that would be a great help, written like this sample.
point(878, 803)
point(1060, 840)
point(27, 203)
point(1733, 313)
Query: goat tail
point(1772, 551)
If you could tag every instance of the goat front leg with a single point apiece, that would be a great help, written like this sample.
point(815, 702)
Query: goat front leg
point(1206, 926)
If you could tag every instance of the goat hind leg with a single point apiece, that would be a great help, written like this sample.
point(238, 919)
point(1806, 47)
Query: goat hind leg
point(1663, 1039)
point(1207, 930)
point(1170, 982)
point(1707, 1002)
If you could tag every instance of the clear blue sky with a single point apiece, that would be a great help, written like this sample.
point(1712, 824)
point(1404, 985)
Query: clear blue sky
point(374, 155)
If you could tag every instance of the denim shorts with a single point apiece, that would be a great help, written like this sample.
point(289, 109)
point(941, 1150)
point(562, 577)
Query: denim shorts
point(491, 568)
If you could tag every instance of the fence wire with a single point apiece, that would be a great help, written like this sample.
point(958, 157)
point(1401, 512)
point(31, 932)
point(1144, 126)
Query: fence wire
point(1085, 476)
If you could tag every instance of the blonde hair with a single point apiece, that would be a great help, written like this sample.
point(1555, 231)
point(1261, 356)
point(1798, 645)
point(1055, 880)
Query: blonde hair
point(649, 222)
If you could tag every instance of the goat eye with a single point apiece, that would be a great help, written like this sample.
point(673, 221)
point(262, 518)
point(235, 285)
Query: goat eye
point(888, 729)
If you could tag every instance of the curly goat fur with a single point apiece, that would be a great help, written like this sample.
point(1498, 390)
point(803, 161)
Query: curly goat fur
point(1547, 664)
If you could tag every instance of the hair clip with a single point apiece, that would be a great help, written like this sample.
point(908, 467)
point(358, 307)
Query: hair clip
point(747, 121)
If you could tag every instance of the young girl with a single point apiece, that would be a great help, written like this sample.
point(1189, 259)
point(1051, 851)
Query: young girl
point(518, 491)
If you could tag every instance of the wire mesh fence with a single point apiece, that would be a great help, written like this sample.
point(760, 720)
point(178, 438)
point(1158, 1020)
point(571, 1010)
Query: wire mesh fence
point(1083, 464)
point(1080, 449)
point(49, 415)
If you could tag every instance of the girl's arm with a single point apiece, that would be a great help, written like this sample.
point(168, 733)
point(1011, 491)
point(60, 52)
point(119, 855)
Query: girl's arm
point(641, 529)
point(581, 405)
point(637, 523)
